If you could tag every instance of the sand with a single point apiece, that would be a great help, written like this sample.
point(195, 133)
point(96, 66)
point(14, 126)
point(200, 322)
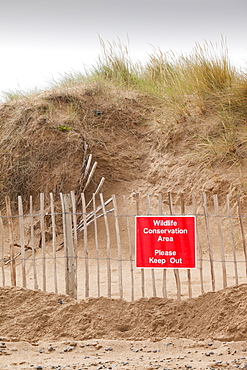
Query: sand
point(120, 354)
point(49, 331)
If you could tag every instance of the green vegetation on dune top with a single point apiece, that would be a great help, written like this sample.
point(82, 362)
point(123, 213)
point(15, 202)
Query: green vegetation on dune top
point(206, 74)
point(204, 81)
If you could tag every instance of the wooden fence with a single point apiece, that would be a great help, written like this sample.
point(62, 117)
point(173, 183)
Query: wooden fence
point(85, 247)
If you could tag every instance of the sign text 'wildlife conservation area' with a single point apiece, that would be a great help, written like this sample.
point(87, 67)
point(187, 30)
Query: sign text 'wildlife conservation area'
point(165, 242)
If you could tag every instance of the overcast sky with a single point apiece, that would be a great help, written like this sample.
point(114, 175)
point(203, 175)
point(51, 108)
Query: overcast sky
point(40, 40)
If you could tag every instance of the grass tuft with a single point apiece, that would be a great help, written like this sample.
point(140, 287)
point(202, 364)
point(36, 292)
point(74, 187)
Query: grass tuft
point(115, 64)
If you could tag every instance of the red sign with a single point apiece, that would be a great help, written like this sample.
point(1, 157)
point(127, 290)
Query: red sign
point(165, 242)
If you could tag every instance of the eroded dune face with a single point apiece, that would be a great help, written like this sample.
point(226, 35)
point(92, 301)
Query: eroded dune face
point(137, 141)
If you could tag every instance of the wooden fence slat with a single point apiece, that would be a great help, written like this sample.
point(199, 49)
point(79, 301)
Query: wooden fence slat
point(35, 281)
point(72, 287)
point(240, 214)
point(90, 215)
point(175, 271)
point(96, 243)
point(152, 270)
point(64, 239)
point(142, 270)
point(82, 177)
point(229, 214)
point(206, 217)
point(70, 273)
point(11, 241)
point(194, 205)
point(108, 246)
point(84, 163)
point(75, 236)
point(164, 288)
point(170, 202)
point(85, 240)
point(220, 234)
point(84, 154)
point(120, 267)
point(54, 254)
point(182, 203)
point(87, 166)
point(101, 183)
point(90, 176)
point(2, 248)
point(160, 204)
point(42, 229)
point(130, 248)
point(22, 242)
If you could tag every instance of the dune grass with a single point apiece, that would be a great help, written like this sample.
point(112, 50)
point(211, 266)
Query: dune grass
point(206, 73)
point(205, 76)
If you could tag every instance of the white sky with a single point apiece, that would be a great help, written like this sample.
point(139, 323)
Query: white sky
point(40, 40)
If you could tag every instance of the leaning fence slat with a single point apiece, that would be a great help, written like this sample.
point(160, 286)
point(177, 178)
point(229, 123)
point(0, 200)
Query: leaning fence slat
point(206, 217)
point(108, 246)
point(2, 248)
point(84, 161)
point(32, 244)
point(222, 248)
point(120, 267)
point(164, 288)
point(85, 240)
point(152, 270)
point(130, 247)
point(240, 214)
point(87, 166)
point(194, 205)
point(90, 215)
point(42, 228)
point(188, 270)
point(96, 244)
point(175, 271)
point(11, 241)
point(22, 242)
point(100, 186)
point(53, 225)
point(142, 270)
point(97, 190)
point(232, 237)
point(90, 176)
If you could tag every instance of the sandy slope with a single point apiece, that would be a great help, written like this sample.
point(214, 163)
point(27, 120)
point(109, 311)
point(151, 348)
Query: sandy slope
point(45, 330)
